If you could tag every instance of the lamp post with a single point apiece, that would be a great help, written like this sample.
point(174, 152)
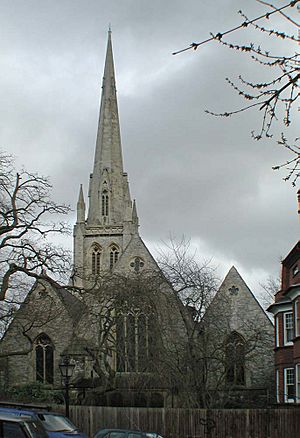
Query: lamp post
point(66, 369)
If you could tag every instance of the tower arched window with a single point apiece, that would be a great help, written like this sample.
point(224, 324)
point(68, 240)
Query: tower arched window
point(105, 203)
point(235, 359)
point(96, 260)
point(113, 256)
point(44, 359)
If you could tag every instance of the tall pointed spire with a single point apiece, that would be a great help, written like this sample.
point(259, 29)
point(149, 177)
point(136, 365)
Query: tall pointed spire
point(135, 219)
point(112, 226)
point(80, 207)
point(106, 184)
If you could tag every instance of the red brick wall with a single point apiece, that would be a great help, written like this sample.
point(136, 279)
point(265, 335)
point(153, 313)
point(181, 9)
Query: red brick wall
point(284, 356)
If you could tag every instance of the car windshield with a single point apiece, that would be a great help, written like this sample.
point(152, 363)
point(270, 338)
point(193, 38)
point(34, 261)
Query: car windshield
point(57, 423)
point(36, 430)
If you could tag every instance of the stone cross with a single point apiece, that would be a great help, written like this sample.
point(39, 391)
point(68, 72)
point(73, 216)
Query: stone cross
point(233, 290)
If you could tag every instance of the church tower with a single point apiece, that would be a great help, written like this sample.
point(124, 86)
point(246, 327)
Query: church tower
point(101, 237)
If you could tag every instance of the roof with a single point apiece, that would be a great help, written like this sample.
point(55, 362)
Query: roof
point(240, 295)
point(292, 255)
point(74, 306)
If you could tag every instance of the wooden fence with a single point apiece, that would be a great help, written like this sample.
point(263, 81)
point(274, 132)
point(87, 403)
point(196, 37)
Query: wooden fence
point(192, 423)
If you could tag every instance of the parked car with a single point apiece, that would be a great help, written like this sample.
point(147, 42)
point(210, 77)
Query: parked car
point(153, 435)
point(56, 425)
point(20, 426)
point(119, 433)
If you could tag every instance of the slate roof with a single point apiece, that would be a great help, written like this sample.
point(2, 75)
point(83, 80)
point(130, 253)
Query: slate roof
point(73, 305)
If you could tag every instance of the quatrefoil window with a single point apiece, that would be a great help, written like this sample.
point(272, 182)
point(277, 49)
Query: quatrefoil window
point(137, 264)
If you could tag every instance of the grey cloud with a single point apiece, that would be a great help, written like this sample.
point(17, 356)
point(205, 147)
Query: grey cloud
point(191, 173)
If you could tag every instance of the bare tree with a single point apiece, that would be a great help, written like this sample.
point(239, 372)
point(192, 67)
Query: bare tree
point(269, 288)
point(194, 285)
point(30, 321)
point(276, 97)
point(26, 212)
point(124, 322)
point(210, 360)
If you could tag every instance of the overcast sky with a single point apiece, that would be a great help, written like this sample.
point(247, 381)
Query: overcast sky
point(189, 172)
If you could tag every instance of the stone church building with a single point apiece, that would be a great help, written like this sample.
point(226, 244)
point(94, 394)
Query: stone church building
point(100, 320)
point(119, 320)
point(243, 355)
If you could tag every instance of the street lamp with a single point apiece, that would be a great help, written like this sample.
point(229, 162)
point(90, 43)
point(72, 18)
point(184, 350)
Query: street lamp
point(66, 369)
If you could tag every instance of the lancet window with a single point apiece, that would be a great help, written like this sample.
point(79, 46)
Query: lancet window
point(105, 203)
point(113, 256)
point(135, 343)
point(96, 260)
point(44, 359)
point(235, 359)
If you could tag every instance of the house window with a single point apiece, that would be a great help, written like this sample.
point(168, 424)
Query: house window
point(298, 383)
point(297, 318)
point(135, 343)
point(277, 387)
point(113, 256)
point(96, 258)
point(235, 359)
point(44, 359)
point(105, 203)
point(277, 341)
point(288, 328)
point(289, 383)
point(295, 270)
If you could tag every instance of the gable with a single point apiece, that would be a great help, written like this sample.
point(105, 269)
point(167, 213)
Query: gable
point(43, 311)
point(136, 258)
point(235, 300)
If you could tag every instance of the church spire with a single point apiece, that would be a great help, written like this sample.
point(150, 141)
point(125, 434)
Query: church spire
point(109, 237)
point(107, 180)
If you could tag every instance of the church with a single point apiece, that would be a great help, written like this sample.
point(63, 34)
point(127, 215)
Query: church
point(119, 320)
point(100, 320)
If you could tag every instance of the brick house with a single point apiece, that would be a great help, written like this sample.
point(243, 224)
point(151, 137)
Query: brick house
point(286, 311)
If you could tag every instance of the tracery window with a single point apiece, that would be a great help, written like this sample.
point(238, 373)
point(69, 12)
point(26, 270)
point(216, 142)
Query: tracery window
point(105, 203)
point(135, 342)
point(137, 264)
point(96, 259)
point(113, 256)
point(44, 359)
point(235, 359)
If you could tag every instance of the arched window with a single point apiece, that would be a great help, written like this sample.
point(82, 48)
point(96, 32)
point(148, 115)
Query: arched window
point(113, 256)
point(235, 359)
point(105, 203)
point(44, 359)
point(96, 258)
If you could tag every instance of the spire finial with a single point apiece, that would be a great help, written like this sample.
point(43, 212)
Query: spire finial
point(135, 219)
point(109, 27)
point(80, 206)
